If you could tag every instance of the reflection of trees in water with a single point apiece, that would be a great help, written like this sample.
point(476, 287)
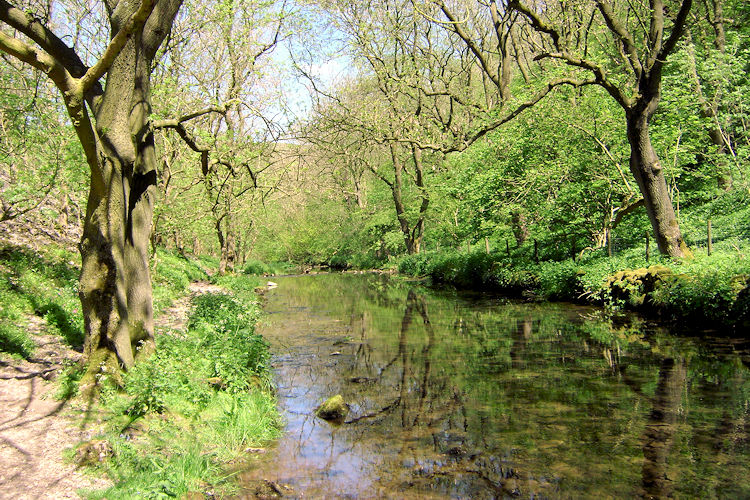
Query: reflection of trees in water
point(660, 429)
point(422, 414)
point(516, 399)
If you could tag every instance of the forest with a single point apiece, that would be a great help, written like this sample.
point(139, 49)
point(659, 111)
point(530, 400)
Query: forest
point(588, 151)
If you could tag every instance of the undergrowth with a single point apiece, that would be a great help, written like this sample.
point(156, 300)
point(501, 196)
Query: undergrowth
point(196, 404)
point(708, 289)
point(42, 284)
point(45, 284)
point(257, 267)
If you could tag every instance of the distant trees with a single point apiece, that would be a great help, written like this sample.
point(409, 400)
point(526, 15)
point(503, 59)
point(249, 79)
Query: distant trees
point(235, 138)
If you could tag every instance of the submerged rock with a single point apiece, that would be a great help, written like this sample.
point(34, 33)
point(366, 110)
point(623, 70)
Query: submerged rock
point(333, 409)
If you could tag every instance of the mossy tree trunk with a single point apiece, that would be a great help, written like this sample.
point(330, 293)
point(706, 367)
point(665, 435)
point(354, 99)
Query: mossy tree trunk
point(115, 284)
point(649, 174)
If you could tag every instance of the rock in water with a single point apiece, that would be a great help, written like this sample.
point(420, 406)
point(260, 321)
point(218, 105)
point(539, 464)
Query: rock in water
point(333, 409)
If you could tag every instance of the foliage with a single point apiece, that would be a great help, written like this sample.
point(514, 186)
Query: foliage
point(257, 267)
point(173, 273)
point(195, 404)
point(704, 290)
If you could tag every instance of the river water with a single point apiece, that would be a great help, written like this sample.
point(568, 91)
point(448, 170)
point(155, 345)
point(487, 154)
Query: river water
point(458, 395)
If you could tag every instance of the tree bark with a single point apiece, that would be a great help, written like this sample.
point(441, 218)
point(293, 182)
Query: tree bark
point(648, 173)
point(115, 282)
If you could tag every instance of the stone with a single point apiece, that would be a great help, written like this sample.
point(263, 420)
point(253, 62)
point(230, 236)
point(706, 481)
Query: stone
point(334, 408)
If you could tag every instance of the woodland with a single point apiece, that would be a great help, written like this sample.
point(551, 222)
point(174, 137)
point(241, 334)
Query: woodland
point(347, 134)
point(581, 150)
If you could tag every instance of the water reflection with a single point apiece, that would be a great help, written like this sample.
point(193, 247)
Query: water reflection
point(478, 397)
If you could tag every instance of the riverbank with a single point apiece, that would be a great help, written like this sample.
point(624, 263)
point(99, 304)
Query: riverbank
point(182, 418)
point(707, 291)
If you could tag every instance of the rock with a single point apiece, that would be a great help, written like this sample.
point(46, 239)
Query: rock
point(93, 452)
point(333, 409)
point(263, 488)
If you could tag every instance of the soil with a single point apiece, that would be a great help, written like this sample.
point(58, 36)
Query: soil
point(37, 431)
point(35, 428)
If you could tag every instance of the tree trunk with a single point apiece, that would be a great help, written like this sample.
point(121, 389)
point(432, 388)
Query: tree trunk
point(222, 248)
point(648, 172)
point(115, 282)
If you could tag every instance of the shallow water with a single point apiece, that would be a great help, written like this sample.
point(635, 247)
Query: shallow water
point(457, 395)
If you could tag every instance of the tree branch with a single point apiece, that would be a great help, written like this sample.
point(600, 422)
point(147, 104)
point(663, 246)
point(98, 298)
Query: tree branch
point(622, 34)
point(677, 30)
point(599, 74)
point(136, 21)
point(174, 122)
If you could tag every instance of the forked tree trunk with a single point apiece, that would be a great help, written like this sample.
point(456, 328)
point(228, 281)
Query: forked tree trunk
point(115, 282)
point(649, 174)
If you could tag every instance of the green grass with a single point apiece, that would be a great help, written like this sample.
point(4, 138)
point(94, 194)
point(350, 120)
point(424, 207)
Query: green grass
point(45, 284)
point(173, 273)
point(195, 405)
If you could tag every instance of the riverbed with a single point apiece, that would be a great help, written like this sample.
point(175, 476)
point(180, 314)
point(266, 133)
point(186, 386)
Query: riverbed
point(468, 395)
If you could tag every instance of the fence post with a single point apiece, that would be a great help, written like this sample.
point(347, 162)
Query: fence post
point(648, 241)
point(486, 245)
point(710, 243)
point(609, 242)
point(536, 251)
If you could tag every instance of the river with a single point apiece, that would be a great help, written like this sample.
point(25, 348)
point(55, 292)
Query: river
point(467, 395)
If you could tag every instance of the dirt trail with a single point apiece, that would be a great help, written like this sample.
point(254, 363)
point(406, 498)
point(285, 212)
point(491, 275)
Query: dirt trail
point(35, 429)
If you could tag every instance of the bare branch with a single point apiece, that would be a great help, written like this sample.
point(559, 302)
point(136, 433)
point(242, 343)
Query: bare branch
point(174, 122)
point(622, 34)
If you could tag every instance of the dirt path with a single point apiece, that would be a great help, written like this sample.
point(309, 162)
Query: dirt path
point(35, 429)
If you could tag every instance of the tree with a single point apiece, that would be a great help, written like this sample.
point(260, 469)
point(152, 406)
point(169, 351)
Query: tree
point(112, 123)
point(626, 57)
point(228, 42)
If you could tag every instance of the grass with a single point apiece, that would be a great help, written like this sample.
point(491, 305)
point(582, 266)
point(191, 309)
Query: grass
point(195, 405)
point(44, 284)
point(183, 413)
point(172, 275)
